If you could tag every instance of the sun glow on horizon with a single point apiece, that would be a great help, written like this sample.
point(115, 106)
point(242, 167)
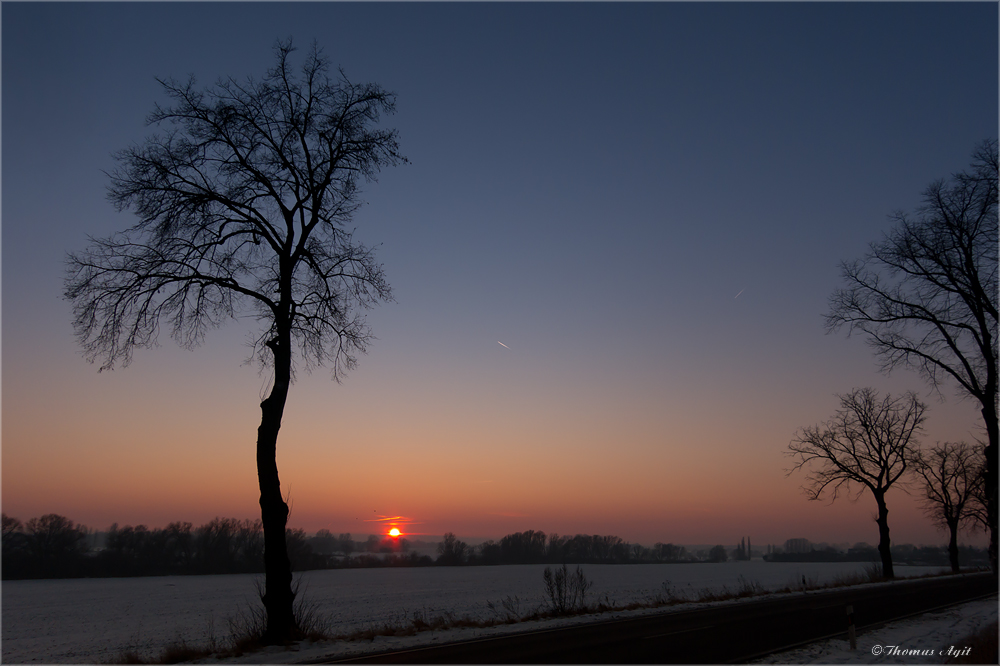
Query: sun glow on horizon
point(394, 532)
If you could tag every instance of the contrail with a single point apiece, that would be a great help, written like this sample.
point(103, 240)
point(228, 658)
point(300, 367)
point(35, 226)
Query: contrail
point(738, 295)
point(502, 345)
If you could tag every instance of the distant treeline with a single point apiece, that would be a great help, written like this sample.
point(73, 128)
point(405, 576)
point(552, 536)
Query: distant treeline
point(533, 547)
point(906, 554)
point(54, 547)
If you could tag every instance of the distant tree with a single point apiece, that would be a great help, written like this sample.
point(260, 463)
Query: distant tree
point(228, 545)
point(56, 545)
point(717, 554)
point(178, 545)
point(618, 549)
point(324, 543)
point(124, 548)
point(668, 552)
point(452, 551)
point(243, 204)
point(14, 558)
point(580, 549)
point(926, 297)
point(488, 552)
point(11, 526)
point(523, 547)
point(555, 550)
point(345, 544)
point(299, 551)
point(138, 551)
point(949, 475)
point(867, 444)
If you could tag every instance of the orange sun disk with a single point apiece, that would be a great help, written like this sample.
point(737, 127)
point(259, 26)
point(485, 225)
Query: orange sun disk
point(394, 532)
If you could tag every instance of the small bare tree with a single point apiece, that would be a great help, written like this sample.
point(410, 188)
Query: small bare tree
point(926, 297)
point(866, 445)
point(243, 203)
point(950, 476)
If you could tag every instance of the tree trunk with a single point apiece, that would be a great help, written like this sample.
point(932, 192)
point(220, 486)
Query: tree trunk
point(278, 596)
point(883, 537)
point(953, 546)
point(990, 475)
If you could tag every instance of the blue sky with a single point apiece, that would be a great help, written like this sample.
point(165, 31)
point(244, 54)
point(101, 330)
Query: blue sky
point(590, 184)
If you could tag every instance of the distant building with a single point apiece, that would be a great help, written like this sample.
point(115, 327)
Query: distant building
point(797, 546)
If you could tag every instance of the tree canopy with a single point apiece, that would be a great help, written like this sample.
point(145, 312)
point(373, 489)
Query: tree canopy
point(242, 201)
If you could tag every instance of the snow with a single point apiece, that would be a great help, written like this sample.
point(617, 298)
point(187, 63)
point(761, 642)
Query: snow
point(932, 634)
point(95, 620)
point(936, 631)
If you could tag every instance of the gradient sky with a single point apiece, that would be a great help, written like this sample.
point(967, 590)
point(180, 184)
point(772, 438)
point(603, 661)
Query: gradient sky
point(590, 184)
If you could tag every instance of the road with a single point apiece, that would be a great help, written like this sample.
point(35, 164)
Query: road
point(727, 633)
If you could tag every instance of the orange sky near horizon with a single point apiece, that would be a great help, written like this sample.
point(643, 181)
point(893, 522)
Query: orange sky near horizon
point(128, 448)
point(611, 253)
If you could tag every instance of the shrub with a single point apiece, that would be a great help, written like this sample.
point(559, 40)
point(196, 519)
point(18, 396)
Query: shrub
point(565, 591)
point(508, 610)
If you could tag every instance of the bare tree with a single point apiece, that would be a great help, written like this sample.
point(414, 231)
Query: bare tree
point(243, 201)
point(451, 551)
point(866, 445)
point(926, 297)
point(980, 503)
point(949, 476)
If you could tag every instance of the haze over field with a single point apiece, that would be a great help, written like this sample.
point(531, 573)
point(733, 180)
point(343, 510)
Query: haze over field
point(610, 255)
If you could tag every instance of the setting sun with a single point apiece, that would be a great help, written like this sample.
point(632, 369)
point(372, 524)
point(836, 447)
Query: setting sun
point(394, 532)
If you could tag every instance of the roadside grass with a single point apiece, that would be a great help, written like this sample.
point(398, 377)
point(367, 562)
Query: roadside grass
point(565, 597)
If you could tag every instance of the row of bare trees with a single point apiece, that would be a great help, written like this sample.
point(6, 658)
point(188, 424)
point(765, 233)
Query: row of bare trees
point(925, 298)
point(871, 444)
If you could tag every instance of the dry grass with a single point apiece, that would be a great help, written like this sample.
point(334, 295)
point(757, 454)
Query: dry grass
point(246, 630)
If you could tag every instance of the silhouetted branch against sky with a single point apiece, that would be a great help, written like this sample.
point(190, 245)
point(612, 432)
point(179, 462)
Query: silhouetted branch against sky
point(868, 442)
point(948, 476)
point(242, 200)
point(925, 296)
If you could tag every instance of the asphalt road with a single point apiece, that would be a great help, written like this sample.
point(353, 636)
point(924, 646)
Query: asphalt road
point(717, 635)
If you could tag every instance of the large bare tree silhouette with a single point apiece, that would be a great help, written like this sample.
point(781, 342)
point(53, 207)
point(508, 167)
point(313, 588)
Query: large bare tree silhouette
point(243, 199)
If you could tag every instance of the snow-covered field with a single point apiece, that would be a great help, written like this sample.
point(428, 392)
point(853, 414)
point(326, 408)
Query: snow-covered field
point(93, 620)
